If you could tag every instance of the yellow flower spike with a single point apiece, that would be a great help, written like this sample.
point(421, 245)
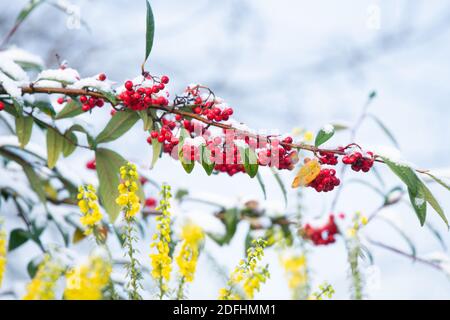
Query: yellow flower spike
point(2, 253)
point(186, 259)
point(161, 261)
point(248, 273)
point(42, 287)
point(89, 208)
point(86, 281)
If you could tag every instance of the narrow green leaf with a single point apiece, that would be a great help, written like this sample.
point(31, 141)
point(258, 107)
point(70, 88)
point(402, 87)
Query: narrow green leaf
point(262, 185)
point(72, 109)
point(150, 31)
point(148, 121)
point(385, 129)
point(117, 126)
point(440, 181)
point(207, 164)
point(108, 164)
point(156, 152)
point(25, 12)
point(54, 146)
point(250, 161)
point(24, 127)
point(18, 237)
point(46, 108)
point(434, 203)
point(280, 184)
point(419, 204)
point(324, 135)
point(69, 144)
point(109, 96)
point(35, 182)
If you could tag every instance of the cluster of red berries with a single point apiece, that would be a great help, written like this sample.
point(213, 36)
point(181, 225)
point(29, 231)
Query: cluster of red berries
point(322, 235)
point(230, 160)
point(138, 97)
point(325, 181)
point(165, 135)
point(2, 106)
point(359, 162)
point(328, 158)
point(90, 103)
point(207, 105)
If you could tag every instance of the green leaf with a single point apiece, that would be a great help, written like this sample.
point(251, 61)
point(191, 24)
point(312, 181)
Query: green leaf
point(250, 161)
point(45, 107)
point(109, 96)
point(434, 203)
point(417, 191)
point(441, 182)
point(340, 126)
point(117, 126)
point(32, 4)
point(156, 153)
point(35, 182)
point(71, 109)
point(79, 128)
point(419, 204)
point(18, 237)
point(69, 144)
point(188, 166)
point(207, 164)
point(261, 184)
point(54, 146)
point(108, 164)
point(148, 121)
point(280, 184)
point(33, 265)
point(150, 31)
point(230, 218)
point(324, 135)
point(24, 127)
point(385, 129)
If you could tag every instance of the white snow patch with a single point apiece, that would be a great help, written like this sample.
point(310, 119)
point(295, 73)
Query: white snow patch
point(328, 128)
point(67, 75)
point(20, 55)
point(11, 87)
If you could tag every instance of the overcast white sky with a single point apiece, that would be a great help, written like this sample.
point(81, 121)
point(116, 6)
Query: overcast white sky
point(283, 64)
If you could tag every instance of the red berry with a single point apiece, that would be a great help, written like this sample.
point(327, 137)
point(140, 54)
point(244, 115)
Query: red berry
point(60, 100)
point(86, 107)
point(83, 99)
point(129, 85)
point(150, 202)
point(2, 106)
point(102, 77)
point(165, 79)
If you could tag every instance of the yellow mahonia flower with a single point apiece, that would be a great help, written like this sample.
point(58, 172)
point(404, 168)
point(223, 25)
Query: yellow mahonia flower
point(127, 198)
point(90, 210)
point(2, 254)
point(187, 258)
point(296, 270)
point(161, 260)
point(308, 136)
point(42, 287)
point(325, 290)
point(87, 281)
point(248, 273)
point(359, 220)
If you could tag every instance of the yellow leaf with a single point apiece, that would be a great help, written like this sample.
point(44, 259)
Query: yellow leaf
point(306, 174)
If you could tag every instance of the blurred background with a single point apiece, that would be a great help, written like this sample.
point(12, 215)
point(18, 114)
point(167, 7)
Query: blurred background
point(280, 65)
